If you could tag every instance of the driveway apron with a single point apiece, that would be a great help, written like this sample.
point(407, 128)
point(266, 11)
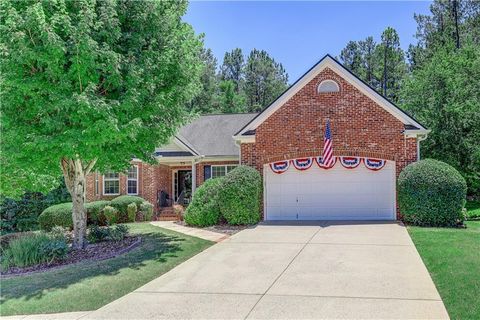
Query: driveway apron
point(293, 270)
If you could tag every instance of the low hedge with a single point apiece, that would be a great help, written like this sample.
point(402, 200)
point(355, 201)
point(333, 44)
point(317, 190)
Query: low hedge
point(121, 204)
point(95, 211)
point(61, 215)
point(57, 215)
point(204, 210)
point(431, 193)
point(239, 198)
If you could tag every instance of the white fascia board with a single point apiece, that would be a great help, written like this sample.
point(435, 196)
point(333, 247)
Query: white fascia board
point(341, 71)
point(416, 133)
point(245, 139)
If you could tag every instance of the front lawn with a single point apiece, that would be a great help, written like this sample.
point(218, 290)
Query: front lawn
point(452, 257)
point(473, 209)
point(90, 285)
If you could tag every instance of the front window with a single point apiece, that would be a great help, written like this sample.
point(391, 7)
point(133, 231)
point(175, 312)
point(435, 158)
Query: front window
point(132, 180)
point(111, 183)
point(221, 170)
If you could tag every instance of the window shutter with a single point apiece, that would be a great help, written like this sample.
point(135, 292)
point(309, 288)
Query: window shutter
point(207, 172)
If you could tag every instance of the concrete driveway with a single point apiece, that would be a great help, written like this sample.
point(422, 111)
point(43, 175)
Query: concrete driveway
point(319, 270)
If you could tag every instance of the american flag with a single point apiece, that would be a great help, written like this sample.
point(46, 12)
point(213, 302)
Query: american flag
point(327, 147)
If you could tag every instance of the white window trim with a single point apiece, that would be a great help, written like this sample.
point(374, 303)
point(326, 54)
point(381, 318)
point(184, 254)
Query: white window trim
point(326, 82)
point(110, 179)
point(130, 179)
point(221, 165)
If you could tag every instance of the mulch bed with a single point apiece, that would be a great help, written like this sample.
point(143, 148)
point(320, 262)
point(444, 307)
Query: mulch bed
point(221, 228)
point(93, 252)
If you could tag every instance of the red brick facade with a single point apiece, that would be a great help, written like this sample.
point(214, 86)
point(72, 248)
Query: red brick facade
point(360, 127)
point(151, 179)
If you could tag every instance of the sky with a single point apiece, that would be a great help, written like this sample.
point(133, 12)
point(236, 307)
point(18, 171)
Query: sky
point(298, 34)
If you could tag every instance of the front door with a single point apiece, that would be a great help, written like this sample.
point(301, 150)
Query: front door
point(183, 186)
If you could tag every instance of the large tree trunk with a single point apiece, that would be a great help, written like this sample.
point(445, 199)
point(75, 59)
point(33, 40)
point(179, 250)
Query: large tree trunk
point(74, 174)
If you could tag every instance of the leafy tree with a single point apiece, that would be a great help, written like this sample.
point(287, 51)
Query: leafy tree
point(233, 68)
point(265, 79)
point(205, 102)
point(444, 94)
point(392, 67)
point(92, 83)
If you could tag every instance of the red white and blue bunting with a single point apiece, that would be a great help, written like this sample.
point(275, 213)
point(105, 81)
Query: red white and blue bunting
point(347, 162)
point(302, 163)
point(350, 162)
point(280, 166)
point(374, 164)
point(321, 164)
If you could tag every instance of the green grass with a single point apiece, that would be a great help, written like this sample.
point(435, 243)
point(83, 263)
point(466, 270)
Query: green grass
point(90, 285)
point(452, 257)
point(473, 209)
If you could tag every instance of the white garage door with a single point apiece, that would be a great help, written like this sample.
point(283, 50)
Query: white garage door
point(334, 194)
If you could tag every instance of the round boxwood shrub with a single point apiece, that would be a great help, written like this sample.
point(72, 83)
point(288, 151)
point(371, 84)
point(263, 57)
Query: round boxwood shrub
point(56, 215)
point(431, 193)
point(147, 210)
point(95, 211)
point(61, 215)
point(204, 209)
point(121, 204)
point(240, 196)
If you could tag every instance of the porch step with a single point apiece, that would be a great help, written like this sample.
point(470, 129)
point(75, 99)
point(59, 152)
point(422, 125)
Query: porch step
point(168, 214)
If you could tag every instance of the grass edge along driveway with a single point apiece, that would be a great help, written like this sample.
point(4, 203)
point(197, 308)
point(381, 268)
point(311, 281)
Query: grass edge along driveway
point(90, 285)
point(452, 257)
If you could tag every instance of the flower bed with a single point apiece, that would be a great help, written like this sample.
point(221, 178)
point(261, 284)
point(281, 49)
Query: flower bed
point(97, 251)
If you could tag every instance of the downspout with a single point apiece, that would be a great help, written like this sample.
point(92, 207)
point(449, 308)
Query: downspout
point(419, 139)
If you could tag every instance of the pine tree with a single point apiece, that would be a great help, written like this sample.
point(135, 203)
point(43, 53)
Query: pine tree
point(205, 101)
point(392, 68)
point(351, 58)
point(232, 68)
point(265, 79)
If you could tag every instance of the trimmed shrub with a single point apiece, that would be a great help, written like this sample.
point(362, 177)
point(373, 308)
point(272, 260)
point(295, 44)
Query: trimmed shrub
point(57, 215)
point(240, 196)
point(95, 211)
point(111, 215)
point(147, 210)
point(115, 233)
point(431, 193)
point(118, 232)
point(61, 215)
point(132, 211)
point(121, 204)
point(204, 209)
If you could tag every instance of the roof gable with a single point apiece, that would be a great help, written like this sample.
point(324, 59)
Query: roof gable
point(338, 68)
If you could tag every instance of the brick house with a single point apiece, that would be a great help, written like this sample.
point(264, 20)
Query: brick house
point(372, 139)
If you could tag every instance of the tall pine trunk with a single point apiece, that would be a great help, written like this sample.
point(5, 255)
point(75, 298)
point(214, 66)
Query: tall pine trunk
point(75, 180)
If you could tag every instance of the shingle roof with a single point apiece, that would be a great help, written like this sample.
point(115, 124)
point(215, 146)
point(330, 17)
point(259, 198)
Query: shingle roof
point(211, 135)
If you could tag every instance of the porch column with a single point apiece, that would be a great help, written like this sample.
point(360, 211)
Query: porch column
point(194, 176)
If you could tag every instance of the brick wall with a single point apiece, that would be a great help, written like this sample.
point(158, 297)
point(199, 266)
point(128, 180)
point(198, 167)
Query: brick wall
point(152, 178)
point(359, 126)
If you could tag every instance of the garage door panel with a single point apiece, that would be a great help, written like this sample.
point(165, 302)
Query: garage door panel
point(337, 193)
